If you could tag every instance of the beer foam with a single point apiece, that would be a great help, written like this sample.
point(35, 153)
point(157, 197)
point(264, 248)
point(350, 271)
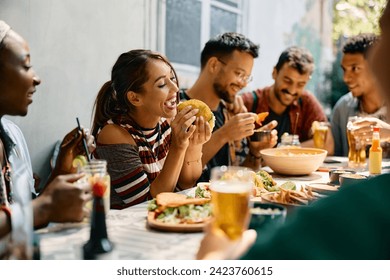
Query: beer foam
point(231, 186)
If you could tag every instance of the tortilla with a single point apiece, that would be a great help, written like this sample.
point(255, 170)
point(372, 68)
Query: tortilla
point(167, 199)
point(204, 110)
point(261, 117)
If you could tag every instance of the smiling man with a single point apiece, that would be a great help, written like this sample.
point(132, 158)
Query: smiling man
point(364, 98)
point(352, 224)
point(226, 67)
point(287, 101)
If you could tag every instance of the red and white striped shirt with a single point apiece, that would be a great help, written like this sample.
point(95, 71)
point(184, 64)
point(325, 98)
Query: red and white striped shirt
point(133, 168)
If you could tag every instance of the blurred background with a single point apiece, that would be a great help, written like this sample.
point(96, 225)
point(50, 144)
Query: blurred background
point(74, 44)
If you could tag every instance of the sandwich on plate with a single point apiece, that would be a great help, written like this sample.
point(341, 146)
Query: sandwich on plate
point(175, 208)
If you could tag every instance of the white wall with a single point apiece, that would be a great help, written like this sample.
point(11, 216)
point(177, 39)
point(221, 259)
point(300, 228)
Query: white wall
point(278, 24)
point(74, 44)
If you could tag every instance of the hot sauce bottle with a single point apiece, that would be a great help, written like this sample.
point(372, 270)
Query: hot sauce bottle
point(375, 156)
point(98, 244)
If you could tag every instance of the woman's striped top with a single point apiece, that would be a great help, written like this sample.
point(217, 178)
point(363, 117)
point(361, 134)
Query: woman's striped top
point(133, 168)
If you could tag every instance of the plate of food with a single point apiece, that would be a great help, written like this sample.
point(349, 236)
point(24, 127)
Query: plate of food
point(202, 190)
point(292, 197)
point(264, 183)
point(323, 188)
point(176, 212)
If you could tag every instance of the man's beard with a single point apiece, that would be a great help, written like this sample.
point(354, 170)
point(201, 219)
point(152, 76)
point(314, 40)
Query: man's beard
point(280, 93)
point(222, 93)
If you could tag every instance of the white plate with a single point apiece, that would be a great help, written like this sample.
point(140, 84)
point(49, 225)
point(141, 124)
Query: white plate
point(323, 188)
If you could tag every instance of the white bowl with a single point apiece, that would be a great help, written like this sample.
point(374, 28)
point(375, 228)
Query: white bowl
point(294, 161)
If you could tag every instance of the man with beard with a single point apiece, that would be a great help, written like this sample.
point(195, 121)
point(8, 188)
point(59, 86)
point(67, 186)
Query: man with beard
point(226, 65)
point(328, 229)
point(287, 101)
point(364, 98)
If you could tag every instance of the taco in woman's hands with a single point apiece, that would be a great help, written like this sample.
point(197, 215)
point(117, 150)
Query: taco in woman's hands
point(204, 110)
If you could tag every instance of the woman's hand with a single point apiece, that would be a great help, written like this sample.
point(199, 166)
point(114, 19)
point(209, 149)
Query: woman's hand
point(202, 132)
point(183, 127)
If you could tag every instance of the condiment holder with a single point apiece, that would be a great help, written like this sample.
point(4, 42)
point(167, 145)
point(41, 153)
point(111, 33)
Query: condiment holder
point(261, 136)
point(334, 175)
point(349, 179)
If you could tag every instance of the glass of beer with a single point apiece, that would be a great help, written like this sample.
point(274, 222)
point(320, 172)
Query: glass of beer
point(230, 188)
point(356, 146)
point(320, 133)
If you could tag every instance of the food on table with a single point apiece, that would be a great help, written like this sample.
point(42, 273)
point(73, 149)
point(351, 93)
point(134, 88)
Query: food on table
point(261, 117)
point(266, 211)
point(353, 175)
point(202, 190)
point(301, 197)
point(99, 188)
point(289, 185)
point(204, 110)
point(264, 183)
point(264, 179)
point(175, 208)
point(347, 179)
point(79, 161)
point(295, 152)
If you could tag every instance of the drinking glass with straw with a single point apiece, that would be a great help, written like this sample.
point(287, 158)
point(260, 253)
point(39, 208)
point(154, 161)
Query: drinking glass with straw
point(96, 175)
point(84, 141)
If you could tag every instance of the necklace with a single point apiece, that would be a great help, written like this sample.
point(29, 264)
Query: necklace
point(150, 147)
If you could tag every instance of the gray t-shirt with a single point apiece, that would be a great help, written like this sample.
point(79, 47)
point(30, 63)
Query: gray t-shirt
point(348, 106)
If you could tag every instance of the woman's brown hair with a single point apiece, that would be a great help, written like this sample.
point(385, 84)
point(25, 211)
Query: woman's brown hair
point(129, 73)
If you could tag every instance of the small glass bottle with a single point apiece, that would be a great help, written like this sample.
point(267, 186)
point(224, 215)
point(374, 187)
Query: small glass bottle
point(286, 140)
point(295, 141)
point(98, 244)
point(375, 155)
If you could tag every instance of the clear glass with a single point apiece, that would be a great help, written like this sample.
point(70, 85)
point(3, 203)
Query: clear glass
point(357, 158)
point(288, 140)
point(96, 173)
point(230, 188)
point(295, 140)
point(320, 134)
